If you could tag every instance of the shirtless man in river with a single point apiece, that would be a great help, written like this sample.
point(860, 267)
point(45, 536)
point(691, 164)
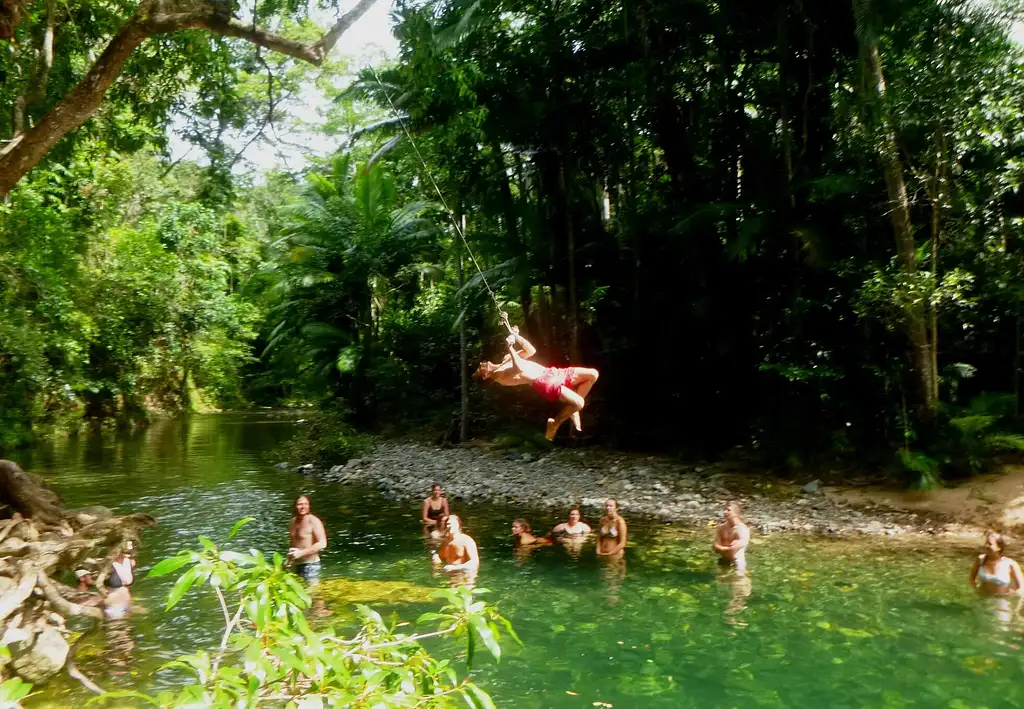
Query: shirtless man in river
point(458, 551)
point(307, 538)
point(569, 385)
point(732, 538)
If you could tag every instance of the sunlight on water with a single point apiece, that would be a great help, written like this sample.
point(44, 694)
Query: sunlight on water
point(819, 622)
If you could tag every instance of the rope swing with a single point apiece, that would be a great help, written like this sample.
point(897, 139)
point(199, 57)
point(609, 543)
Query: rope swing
point(502, 315)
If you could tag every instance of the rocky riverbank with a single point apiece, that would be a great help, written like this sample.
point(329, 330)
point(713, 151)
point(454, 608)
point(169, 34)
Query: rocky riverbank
point(645, 486)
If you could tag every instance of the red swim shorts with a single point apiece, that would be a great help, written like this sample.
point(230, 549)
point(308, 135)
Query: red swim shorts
point(549, 385)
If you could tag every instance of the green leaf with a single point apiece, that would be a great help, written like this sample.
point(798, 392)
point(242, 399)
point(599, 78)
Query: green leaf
point(233, 557)
point(289, 658)
point(431, 617)
point(14, 690)
point(208, 544)
point(507, 625)
point(182, 585)
point(238, 526)
point(479, 625)
point(481, 700)
point(168, 566)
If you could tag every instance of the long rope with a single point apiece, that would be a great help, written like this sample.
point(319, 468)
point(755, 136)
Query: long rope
point(451, 215)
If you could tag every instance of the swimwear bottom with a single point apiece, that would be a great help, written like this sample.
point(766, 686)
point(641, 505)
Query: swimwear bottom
point(740, 564)
point(310, 572)
point(549, 385)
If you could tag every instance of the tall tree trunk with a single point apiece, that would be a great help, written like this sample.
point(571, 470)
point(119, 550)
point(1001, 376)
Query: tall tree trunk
point(463, 354)
point(1016, 361)
point(570, 242)
point(915, 322)
point(35, 90)
point(938, 193)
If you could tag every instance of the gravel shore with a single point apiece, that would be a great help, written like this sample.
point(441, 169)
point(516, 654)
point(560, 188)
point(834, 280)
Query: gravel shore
point(645, 486)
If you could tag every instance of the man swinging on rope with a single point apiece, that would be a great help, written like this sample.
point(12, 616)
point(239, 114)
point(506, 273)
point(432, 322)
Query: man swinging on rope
point(569, 385)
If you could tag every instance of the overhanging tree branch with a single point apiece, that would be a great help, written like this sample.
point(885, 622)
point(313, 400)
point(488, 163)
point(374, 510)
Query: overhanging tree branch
point(35, 91)
point(152, 17)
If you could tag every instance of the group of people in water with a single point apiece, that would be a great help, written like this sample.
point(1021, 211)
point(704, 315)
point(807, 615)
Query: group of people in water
point(109, 589)
point(457, 551)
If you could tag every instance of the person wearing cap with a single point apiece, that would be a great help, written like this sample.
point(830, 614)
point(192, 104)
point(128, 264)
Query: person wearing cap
point(85, 579)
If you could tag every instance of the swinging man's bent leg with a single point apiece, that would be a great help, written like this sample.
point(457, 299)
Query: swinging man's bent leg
point(573, 403)
point(583, 379)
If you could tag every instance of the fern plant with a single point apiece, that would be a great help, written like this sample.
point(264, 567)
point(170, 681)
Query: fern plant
point(982, 430)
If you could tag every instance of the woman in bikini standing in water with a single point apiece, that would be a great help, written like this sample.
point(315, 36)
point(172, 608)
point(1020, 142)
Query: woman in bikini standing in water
point(434, 508)
point(611, 545)
point(998, 576)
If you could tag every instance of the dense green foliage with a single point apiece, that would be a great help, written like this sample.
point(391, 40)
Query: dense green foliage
point(271, 655)
point(790, 226)
point(123, 293)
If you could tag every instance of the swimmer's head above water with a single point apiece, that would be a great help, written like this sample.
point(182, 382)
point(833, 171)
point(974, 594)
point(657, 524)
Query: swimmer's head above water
point(995, 545)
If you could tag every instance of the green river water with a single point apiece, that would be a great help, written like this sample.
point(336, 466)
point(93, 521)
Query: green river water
point(819, 623)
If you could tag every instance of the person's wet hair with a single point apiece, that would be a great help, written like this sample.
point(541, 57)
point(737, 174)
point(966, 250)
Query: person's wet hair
point(523, 524)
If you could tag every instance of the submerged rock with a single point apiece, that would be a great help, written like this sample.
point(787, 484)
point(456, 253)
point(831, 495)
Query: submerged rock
point(43, 658)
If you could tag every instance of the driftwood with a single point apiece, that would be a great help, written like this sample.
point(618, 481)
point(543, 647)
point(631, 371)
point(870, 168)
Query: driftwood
point(40, 541)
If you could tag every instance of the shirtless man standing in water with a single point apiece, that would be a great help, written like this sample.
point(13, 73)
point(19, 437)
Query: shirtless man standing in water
point(458, 554)
point(732, 538)
point(308, 538)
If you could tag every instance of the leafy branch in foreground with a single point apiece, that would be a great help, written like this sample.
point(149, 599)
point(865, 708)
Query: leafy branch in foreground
point(270, 655)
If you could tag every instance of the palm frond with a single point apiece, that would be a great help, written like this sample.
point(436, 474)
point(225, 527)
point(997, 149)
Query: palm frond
point(384, 150)
point(450, 36)
point(386, 124)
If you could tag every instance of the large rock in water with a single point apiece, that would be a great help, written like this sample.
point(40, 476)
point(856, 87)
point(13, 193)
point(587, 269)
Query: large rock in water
point(43, 659)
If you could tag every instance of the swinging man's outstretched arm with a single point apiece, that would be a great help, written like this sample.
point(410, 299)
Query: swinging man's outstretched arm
point(517, 359)
point(527, 350)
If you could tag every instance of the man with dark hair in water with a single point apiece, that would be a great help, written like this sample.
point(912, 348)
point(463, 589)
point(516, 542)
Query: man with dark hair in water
point(308, 538)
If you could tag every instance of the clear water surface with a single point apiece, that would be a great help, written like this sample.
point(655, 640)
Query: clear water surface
point(820, 623)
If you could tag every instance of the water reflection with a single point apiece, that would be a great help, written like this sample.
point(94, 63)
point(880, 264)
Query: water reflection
point(119, 647)
point(613, 571)
point(738, 586)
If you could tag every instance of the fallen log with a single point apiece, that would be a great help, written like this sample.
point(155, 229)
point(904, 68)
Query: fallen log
point(39, 541)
